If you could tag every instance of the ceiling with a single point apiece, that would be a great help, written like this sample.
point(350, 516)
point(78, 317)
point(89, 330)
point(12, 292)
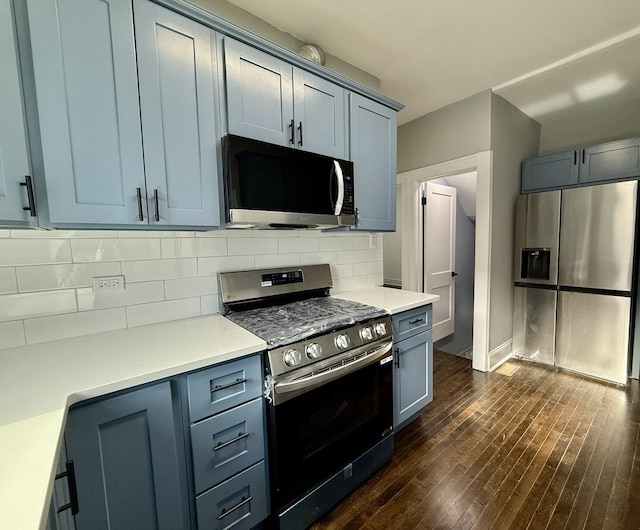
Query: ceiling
point(548, 57)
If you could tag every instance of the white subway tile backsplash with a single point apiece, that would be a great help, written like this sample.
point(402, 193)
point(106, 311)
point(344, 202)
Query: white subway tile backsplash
point(188, 247)
point(134, 293)
point(74, 325)
point(48, 277)
point(12, 335)
point(353, 256)
point(190, 287)
point(166, 269)
point(28, 305)
point(140, 315)
point(251, 246)
point(115, 249)
point(309, 244)
point(8, 282)
point(336, 243)
point(31, 252)
point(312, 258)
point(211, 266)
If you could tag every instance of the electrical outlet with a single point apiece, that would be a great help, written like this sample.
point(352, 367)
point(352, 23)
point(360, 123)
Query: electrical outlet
point(373, 240)
point(108, 283)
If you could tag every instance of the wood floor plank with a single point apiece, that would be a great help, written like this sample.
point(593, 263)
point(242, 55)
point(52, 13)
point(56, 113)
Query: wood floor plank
point(540, 449)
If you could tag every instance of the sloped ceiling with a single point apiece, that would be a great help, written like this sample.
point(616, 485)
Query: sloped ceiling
point(430, 53)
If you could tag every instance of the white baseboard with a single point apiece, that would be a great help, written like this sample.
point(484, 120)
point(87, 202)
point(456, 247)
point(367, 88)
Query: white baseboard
point(500, 355)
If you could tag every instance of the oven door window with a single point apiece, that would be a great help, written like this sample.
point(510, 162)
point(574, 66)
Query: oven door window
point(316, 434)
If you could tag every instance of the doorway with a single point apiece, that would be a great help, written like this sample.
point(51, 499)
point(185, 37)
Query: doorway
point(448, 256)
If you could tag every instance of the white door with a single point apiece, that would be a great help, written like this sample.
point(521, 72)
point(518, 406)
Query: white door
point(440, 254)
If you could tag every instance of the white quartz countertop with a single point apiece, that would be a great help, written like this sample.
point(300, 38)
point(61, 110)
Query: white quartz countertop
point(40, 382)
point(393, 300)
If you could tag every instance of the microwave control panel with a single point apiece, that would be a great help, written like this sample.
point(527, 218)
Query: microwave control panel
point(347, 205)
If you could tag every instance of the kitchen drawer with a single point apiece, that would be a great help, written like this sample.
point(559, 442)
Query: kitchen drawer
point(227, 443)
point(240, 502)
point(224, 386)
point(411, 322)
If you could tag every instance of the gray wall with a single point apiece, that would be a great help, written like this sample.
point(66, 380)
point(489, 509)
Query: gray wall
point(514, 137)
point(460, 129)
point(599, 125)
point(392, 248)
point(252, 23)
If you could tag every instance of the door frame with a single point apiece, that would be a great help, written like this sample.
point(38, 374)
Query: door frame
point(410, 185)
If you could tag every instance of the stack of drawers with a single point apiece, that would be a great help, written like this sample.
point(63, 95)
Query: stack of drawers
point(226, 414)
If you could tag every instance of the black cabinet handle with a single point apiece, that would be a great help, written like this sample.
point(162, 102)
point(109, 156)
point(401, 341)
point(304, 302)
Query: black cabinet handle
point(228, 385)
point(70, 473)
point(397, 356)
point(222, 445)
point(584, 153)
point(140, 213)
point(300, 131)
point(575, 157)
point(416, 321)
point(244, 501)
point(292, 128)
point(156, 202)
point(28, 183)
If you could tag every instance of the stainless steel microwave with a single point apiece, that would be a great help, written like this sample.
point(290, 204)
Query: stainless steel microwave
point(270, 186)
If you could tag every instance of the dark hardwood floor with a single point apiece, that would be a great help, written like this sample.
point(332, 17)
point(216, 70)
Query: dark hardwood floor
point(540, 449)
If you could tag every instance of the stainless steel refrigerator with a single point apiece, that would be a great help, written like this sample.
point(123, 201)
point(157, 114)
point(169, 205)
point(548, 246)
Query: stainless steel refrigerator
point(574, 257)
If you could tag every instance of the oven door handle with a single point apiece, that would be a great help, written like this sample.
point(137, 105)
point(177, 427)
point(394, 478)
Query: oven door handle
point(315, 380)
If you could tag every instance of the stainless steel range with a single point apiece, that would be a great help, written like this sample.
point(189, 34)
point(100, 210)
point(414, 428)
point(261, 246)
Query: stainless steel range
point(328, 384)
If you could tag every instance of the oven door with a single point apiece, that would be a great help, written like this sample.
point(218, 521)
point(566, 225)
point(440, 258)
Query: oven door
point(321, 430)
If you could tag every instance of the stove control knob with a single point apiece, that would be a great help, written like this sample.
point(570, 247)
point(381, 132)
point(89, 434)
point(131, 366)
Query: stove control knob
point(381, 329)
point(313, 350)
point(292, 357)
point(342, 341)
point(366, 333)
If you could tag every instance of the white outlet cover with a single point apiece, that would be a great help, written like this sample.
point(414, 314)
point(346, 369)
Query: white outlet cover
point(108, 283)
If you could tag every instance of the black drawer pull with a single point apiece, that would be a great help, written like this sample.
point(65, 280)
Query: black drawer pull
point(244, 501)
point(228, 385)
point(416, 321)
point(222, 445)
point(28, 183)
point(70, 473)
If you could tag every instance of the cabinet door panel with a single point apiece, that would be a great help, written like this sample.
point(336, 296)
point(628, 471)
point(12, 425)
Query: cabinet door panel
point(413, 378)
point(319, 108)
point(373, 151)
point(177, 69)
point(611, 161)
point(87, 93)
point(259, 94)
point(126, 457)
point(14, 160)
point(550, 172)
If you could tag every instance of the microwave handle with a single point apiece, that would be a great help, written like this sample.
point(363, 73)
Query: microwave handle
point(340, 179)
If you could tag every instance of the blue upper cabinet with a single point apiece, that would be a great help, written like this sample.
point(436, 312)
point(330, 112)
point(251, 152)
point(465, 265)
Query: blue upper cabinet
point(268, 99)
point(610, 161)
point(373, 140)
point(550, 172)
point(617, 160)
point(178, 89)
point(86, 89)
point(14, 159)
point(100, 89)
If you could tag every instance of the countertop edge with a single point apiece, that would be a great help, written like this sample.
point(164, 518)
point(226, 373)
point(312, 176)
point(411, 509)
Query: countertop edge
point(392, 300)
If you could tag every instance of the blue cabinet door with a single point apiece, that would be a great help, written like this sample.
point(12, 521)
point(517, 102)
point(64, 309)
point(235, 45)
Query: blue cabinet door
point(320, 115)
point(14, 158)
point(373, 141)
point(611, 161)
point(177, 70)
point(129, 462)
point(413, 377)
point(259, 91)
point(558, 170)
point(86, 89)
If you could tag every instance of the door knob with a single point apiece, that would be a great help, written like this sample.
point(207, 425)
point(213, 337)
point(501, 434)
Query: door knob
point(454, 274)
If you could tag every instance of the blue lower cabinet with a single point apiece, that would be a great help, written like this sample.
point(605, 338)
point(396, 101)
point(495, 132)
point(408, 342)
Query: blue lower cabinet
point(227, 443)
point(128, 458)
point(240, 502)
